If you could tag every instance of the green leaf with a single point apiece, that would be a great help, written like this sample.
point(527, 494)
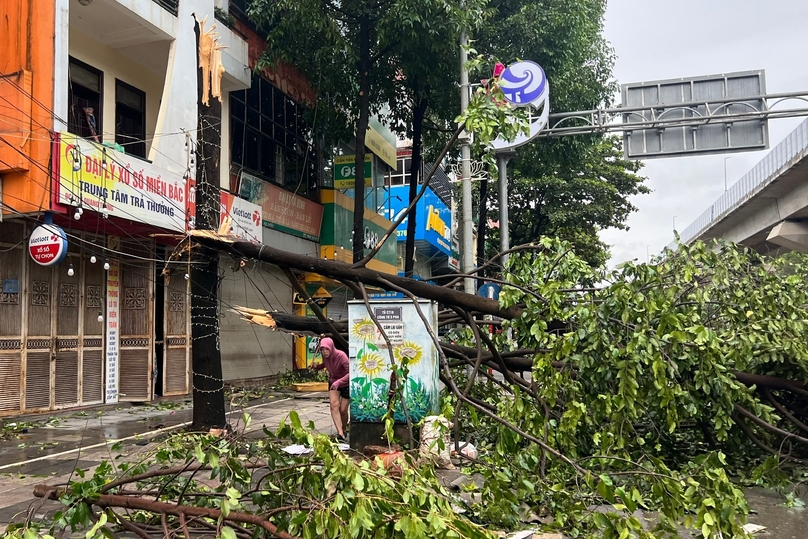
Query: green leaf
point(102, 519)
point(199, 453)
point(228, 533)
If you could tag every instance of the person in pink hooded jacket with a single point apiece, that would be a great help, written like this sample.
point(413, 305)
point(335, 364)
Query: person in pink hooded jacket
point(336, 363)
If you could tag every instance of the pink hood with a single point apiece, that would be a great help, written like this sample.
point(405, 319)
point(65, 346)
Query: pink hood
point(337, 363)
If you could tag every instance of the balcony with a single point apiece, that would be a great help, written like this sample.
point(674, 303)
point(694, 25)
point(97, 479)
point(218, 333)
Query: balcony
point(124, 24)
point(172, 6)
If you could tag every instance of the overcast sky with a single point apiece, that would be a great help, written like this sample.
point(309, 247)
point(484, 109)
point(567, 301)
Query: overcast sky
point(662, 39)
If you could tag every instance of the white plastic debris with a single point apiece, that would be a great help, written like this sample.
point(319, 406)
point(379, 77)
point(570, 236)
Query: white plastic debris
point(435, 440)
point(469, 450)
point(753, 528)
point(297, 449)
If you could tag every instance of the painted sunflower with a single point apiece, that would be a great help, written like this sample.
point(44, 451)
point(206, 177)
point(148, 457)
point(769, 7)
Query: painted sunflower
point(371, 364)
point(364, 329)
point(410, 350)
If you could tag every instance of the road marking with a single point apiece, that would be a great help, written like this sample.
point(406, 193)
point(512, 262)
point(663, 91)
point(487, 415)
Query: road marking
point(149, 434)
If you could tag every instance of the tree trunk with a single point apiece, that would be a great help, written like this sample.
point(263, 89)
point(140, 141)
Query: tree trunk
point(206, 357)
point(346, 272)
point(361, 130)
point(482, 224)
point(415, 175)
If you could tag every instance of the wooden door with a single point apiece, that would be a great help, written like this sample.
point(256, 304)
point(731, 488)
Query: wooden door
point(68, 311)
point(176, 360)
point(92, 341)
point(12, 260)
point(136, 330)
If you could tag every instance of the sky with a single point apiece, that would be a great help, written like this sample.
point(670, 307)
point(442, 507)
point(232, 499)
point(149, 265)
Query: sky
point(663, 39)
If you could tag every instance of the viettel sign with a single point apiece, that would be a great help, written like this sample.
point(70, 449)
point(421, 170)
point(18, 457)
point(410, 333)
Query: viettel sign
point(47, 245)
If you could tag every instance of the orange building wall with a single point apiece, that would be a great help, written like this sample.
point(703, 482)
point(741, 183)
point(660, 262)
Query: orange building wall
point(27, 53)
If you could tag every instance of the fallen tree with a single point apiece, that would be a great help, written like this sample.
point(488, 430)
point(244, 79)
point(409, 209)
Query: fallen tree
point(699, 352)
point(655, 386)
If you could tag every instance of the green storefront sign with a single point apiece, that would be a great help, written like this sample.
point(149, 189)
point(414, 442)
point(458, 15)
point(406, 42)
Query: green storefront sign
point(338, 227)
point(345, 171)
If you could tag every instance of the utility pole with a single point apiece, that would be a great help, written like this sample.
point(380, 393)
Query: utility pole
point(206, 356)
point(467, 251)
point(504, 233)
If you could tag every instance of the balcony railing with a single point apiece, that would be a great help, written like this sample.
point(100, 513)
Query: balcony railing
point(169, 5)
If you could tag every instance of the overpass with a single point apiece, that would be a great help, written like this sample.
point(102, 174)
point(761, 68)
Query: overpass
point(767, 209)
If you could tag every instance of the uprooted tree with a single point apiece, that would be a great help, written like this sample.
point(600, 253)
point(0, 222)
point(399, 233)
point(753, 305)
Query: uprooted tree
point(657, 387)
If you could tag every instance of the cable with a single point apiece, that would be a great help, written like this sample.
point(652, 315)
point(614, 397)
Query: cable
point(182, 211)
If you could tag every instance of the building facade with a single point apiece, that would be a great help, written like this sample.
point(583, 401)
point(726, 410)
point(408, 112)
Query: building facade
point(99, 121)
point(99, 110)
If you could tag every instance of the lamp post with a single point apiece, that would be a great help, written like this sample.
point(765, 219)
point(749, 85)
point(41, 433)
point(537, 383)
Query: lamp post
point(674, 225)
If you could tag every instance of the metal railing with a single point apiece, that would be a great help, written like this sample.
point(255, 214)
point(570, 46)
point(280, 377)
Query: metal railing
point(172, 6)
point(777, 161)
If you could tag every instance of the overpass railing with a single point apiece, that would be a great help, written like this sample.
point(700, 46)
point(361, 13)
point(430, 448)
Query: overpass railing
point(777, 161)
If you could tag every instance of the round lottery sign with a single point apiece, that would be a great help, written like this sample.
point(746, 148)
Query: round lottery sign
point(48, 245)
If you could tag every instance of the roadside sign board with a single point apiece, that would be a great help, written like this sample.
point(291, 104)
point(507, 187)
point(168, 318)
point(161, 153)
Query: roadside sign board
point(690, 99)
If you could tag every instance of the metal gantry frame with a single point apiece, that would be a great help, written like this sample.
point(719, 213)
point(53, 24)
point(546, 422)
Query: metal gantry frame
point(629, 119)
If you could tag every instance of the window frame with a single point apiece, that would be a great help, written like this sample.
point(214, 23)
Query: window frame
point(131, 142)
point(99, 114)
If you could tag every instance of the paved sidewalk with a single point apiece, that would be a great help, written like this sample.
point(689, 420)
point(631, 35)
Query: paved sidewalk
point(54, 445)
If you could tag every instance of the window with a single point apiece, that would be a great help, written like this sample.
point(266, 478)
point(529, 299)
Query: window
point(401, 176)
point(85, 85)
point(130, 119)
point(270, 138)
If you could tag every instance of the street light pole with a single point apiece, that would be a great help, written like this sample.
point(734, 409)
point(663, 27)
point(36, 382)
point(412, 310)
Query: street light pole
point(504, 234)
point(467, 252)
point(674, 225)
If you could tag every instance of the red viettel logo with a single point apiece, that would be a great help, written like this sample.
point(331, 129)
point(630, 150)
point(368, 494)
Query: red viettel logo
point(256, 217)
point(47, 245)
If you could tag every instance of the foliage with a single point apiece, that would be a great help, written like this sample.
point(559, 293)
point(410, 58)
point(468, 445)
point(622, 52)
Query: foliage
point(572, 199)
point(567, 187)
point(370, 396)
point(247, 482)
point(301, 375)
point(644, 390)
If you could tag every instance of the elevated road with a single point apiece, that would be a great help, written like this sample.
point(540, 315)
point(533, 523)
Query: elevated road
point(767, 209)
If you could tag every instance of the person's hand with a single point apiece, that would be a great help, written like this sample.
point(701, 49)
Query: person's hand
point(334, 387)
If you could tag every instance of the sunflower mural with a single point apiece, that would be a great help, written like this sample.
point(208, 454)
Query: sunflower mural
point(409, 350)
point(370, 362)
point(364, 330)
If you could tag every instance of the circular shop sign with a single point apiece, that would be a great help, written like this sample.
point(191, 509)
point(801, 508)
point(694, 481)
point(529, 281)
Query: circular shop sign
point(48, 245)
point(524, 83)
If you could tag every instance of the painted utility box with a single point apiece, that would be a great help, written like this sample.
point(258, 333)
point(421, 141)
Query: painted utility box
point(370, 361)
